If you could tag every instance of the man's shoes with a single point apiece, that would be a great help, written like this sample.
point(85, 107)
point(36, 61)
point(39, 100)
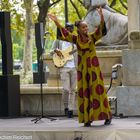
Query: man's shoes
point(70, 114)
point(66, 111)
point(107, 122)
point(88, 124)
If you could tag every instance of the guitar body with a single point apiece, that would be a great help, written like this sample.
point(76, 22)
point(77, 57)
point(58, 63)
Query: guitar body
point(60, 61)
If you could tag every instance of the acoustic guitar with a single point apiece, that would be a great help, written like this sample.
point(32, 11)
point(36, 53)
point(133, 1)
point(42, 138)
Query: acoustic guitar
point(67, 55)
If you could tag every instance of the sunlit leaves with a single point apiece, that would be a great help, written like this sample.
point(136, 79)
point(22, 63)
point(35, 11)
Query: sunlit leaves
point(119, 6)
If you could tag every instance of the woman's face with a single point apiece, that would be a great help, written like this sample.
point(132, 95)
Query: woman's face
point(83, 28)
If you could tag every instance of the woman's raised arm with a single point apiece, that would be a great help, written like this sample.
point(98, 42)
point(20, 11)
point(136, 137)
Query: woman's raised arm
point(64, 34)
point(101, 29)
point(55, 19)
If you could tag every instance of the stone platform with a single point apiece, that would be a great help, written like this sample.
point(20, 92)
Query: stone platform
point(52, 100)
point(31, 100)
point(68, 129)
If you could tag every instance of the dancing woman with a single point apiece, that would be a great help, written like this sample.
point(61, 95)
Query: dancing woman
point(93, 103)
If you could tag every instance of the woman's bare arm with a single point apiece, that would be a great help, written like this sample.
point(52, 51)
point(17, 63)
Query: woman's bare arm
point(55, 19)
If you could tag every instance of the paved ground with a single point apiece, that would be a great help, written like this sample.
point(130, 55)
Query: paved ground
point(65, 124)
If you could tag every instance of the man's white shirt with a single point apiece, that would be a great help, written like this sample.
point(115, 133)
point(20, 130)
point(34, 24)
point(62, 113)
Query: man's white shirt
point(70, 63)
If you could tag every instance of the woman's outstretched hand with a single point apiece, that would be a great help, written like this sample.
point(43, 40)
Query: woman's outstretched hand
point(100, 13)
point(52, 17)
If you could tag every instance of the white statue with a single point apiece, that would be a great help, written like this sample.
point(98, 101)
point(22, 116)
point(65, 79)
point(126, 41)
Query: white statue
point(117, 24)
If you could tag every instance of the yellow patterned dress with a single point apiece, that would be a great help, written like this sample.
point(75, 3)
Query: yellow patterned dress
point(93, 103)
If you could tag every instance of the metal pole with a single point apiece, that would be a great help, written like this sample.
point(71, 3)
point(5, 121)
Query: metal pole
point(66, 10)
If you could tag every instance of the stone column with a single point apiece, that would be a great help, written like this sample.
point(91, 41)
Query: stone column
point(133, 15)
point(128, 96)
point(131, 57)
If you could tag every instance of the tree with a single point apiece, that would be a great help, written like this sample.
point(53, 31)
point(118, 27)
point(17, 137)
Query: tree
point(27, 58)
point(45, 5)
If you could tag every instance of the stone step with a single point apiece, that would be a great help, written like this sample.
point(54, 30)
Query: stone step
point(52, 100)
point(36, 88)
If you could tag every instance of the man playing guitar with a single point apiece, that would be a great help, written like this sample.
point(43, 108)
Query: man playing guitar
point(66, 61)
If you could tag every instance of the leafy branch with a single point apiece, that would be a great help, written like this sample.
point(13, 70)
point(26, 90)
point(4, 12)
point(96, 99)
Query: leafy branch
point(76, 9)
point(123, 4)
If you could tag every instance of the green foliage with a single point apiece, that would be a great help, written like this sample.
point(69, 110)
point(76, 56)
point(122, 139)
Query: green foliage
point(72, 12)
point(0, 51)
point(18, 44)
point(34, 55)
point(17, 51)
point(5, 5)
point(119, 7)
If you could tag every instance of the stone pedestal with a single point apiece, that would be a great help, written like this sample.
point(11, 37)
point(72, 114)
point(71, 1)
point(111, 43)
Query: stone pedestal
point(128, 100)
point(54, 74)
point(128, 96)
point(133, 15)
point(131, 67)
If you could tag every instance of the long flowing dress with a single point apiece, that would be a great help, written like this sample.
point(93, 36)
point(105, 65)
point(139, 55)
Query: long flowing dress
point(93, 103)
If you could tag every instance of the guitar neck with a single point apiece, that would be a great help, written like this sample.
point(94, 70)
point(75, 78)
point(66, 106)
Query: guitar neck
point(73, 51)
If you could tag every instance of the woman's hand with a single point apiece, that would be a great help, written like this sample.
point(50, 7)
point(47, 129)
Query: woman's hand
point(52, 17)
point(100, 13)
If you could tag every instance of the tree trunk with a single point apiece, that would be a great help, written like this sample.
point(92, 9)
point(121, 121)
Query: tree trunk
point(27, 58)
point(43, 6)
